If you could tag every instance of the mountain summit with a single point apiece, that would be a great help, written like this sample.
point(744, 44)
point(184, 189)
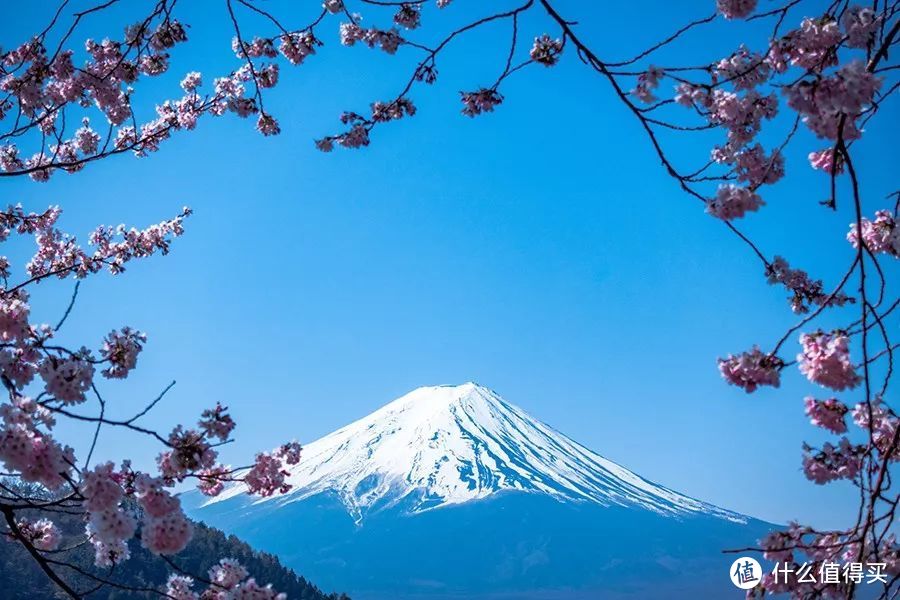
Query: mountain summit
point(445, 445)
point(451, 492)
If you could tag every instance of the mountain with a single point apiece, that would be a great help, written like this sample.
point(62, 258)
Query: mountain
point(452, 492)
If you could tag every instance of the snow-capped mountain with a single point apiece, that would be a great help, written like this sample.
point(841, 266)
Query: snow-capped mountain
point(453, 492)
point(446, 445)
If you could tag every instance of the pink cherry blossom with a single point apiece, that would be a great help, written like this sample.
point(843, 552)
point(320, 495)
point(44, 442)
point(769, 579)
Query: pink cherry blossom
point(481, 101)
point(191, 81)
point(832, 462)
point(546, 50)
point(806, 291)
point(211, 481)
point(880, 235)
point(295, 47)
point(778, 546)
point(121, 349)
point(189, 452)
point(43, 534)
point(743, 69)
point(107, 554)
point(647, 83)
point(828, 102)
point(825, 359)
point(14, 312)
point(825, 161)
point(860, 23)
point(178, 587)
point(812, 46)
point(388, 40)
point(250, 590)
point(408, 16)
point(100, 488)
point(267, 476)
point(290, 452)
point(153, 498)
point(215, 422)
point(87, 141)
point(751, 369)
point(112, 525)
point(67, 379)
point(391, 111)
point(333, 6)
point(733, 202)
point(736, 9)
point(168, 534)
point(828, 414)
point(227, 574)
point(267, 125)
point(753, 167)
point(35, 456)
point(882, 425)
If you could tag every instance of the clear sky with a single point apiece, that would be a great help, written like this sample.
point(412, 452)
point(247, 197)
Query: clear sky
point(539, 250)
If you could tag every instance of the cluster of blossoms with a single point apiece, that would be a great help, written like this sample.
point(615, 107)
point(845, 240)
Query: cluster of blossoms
point(880, 235)
point(736, 9)
point(267, 476)
point(46, 84)
point(831, 105)
point(190, 451)
point(408, 16)
point(733, 202)
point(388, 40)
point(825, 359)
point(228, 580)
point(481, 101)
point(67, 379)
point(749, 370)
point(356, 137)
point(826, 160)
point(546, 50)
point(828, 414)
point(43, 534)
point(191, 454)
point(391, 111)
point(118, 504)
point(883, 425)
point(743, 69)
point(358, 134)
point(59, 254)
point(42, 87)
point(830, 463)
point(821, 552)
point(295, 47)
point(121, 349)
point(812, 46)
point(752, 166)
point(164, 527)
point(28, 450)
point(647, 83)
point(109, 526)
point(806, 292)
point(860, 25)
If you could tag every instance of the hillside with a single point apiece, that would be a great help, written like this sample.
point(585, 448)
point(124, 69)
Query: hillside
point(22, 579)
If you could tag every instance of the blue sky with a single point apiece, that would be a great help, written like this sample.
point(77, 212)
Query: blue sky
point(539, 250)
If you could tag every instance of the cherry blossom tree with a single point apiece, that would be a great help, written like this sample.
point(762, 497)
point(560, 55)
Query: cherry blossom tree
point(826, 65)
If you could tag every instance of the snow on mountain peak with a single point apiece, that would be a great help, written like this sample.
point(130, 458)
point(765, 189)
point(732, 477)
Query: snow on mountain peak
point(445, 445)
